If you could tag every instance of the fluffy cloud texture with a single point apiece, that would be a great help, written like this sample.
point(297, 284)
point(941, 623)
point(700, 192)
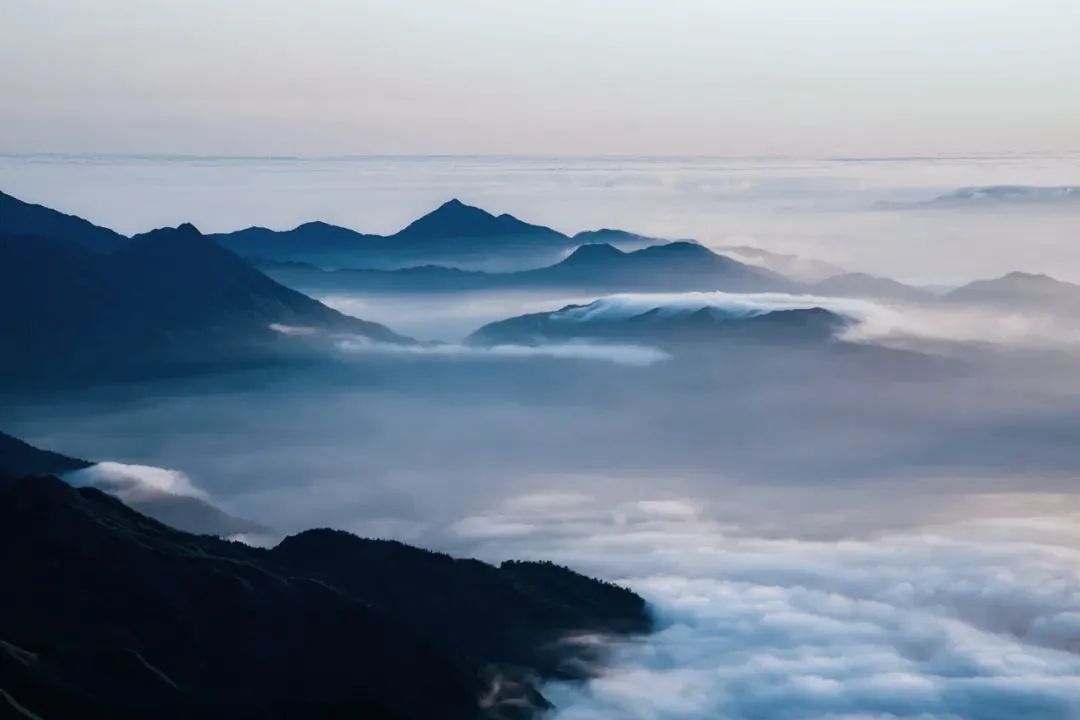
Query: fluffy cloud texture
point(134, 483)
point(973, 620)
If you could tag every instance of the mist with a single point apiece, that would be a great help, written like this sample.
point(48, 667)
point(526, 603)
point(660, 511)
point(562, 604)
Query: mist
point(881, 524)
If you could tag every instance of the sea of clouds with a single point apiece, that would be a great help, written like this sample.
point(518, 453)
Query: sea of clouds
point(970, 620)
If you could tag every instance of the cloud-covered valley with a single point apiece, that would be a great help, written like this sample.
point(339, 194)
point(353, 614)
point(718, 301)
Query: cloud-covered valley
point(974, 619)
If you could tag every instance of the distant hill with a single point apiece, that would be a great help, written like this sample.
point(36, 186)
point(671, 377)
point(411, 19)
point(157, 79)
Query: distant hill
point(674, 266)
point(167, 301)
point(22, 218)
point(141, 620)
point(998, 196)
point(1021, 291)
point(604, 320)
point(869, 286)
point(795, 267)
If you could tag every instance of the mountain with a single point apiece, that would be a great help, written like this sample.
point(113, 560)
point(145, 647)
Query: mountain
point(184, 512)
point(22, 218)
point(861, 285)
point(609, 319)
point(18, 458)
point(675, 266)
point(108, 613)
point(167, 301)
point(795, 267)
point(455, 219)
point(995, 196)
point(621, 238)
point(454, 234)
point(1019, 290)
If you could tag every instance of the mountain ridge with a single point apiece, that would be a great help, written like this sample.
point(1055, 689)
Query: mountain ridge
point(187, 625)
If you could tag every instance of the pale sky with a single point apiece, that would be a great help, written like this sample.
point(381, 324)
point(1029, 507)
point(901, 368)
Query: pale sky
point(691, 77)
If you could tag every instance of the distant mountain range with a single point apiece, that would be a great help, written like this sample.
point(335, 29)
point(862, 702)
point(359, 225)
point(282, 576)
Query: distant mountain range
point(599, 267)
point(111, 614)
point(169, 301)
point(453, 235)
point(604, 320)
point(991, 196)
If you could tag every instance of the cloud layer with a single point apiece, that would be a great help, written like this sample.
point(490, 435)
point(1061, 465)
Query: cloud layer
point(133, 483)
point(973, 620)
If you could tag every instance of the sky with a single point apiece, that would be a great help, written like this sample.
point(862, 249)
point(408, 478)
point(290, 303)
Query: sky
point(634, 77)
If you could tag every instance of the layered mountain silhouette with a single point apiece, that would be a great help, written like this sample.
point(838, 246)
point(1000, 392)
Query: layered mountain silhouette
point(605, 320)
point(454, 234)
point(675, 266)
point(108, 613)
point(167, 301)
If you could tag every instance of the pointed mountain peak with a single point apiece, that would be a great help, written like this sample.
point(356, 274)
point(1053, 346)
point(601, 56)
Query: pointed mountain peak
point(455, 219)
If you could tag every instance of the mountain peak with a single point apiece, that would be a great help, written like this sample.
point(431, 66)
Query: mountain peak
point(593, 252)
point(455, 219)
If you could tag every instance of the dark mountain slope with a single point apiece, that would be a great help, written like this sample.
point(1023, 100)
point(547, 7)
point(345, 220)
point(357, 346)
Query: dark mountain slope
point(144, 621)
point(18, 458)
point(22, 218)
point(168, 301)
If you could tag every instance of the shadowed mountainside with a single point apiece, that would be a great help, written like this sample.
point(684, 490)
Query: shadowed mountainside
point(23, 218)
point(18, 458)
point(168, 301)
point(145, 621)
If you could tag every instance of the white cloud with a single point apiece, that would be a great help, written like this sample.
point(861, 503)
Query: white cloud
point(970, 620)
point(132, 483)
point(635, 355)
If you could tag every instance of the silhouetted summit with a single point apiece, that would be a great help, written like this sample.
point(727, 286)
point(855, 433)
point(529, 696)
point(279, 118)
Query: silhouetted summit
point(455, 219)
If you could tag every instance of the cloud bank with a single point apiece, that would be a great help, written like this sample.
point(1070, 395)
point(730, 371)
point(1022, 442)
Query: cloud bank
point(977, 620)
point(134, 483)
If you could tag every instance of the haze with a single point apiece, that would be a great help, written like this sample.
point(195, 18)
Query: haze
point(747, 77)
